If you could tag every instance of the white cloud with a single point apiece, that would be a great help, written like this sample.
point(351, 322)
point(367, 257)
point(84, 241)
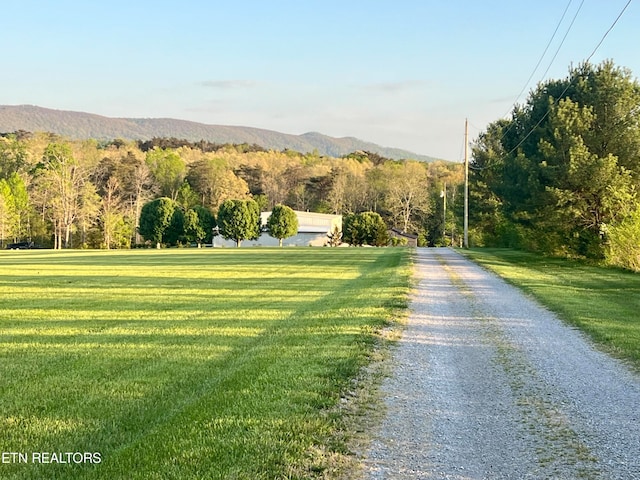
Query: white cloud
point(397, 87)
point(229, 84)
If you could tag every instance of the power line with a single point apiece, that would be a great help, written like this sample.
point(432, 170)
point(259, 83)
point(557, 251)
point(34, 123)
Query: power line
point(474, 126)
point(535, 69)
point(555, 55)
point(563, 39)
point(569, 84)
point(608, 31)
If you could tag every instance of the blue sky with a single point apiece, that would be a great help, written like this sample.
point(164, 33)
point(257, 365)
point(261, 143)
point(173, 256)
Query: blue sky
point(401, 73)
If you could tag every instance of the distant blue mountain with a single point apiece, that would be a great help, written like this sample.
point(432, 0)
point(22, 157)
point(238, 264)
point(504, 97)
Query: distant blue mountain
point(80, 125)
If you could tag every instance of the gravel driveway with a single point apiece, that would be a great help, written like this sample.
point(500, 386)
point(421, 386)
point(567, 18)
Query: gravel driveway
point(487, 384)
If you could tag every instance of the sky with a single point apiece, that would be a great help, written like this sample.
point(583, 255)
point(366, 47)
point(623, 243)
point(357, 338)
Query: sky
point(399, 73)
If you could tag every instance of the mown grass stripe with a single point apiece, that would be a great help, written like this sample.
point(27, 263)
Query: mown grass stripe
point(226, 370)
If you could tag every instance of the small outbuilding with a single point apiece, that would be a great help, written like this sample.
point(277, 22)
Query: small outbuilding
point(412, 240)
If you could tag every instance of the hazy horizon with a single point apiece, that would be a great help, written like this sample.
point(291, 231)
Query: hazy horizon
point(400, 74)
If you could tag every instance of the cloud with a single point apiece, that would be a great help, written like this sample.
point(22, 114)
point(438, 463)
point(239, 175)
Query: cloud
point(397, 87)
point(228, 84)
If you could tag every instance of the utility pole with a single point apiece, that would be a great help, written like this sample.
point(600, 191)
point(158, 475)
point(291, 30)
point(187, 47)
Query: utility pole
point(466, 184)
point(444, 216)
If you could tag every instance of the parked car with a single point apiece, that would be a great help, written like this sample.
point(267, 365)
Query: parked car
point(20, 246)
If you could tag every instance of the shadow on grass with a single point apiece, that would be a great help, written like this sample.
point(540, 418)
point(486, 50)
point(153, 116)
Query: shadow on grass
point(161, 403)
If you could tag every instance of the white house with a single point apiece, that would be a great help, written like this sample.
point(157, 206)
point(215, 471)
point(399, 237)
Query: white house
point(313, 229)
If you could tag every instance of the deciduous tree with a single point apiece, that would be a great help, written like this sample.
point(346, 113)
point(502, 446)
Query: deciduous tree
point(155, 219)
point(13, 155)
point(215, 182)
point(407, 193)
point(63, 174)
point(239, 220)
point(168, 169)
point(198, 224)
point(7, 212)
point(136, 185)
point(282, 223)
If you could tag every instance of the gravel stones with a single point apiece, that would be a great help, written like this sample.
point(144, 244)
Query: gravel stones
point(488, 384)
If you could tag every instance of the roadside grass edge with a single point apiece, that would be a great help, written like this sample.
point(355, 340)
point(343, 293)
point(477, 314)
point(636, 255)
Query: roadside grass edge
point(600, 301)
point(361, 407)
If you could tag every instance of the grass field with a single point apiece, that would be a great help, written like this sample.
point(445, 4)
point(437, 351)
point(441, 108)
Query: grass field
point(603, 302)
point(181, 364)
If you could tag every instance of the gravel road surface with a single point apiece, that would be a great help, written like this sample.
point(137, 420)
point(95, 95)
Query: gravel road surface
point(488, 384)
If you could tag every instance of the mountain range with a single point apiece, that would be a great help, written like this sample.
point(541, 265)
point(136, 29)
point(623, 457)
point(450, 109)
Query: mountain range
point(81, 125)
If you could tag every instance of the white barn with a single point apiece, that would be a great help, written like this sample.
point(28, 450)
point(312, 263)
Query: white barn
point(313, 229)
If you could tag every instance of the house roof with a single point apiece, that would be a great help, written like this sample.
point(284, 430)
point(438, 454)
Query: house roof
point(404, 234)
point(310, 221)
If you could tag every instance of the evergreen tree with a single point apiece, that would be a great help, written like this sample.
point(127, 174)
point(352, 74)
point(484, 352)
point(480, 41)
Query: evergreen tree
point(366, 228)
point(563, 169)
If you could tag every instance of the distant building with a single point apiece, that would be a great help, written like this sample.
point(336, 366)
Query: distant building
point(412, 240)
point(313, 229)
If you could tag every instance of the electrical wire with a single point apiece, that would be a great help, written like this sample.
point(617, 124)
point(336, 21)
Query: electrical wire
point(569, 84)
point(563, 39)
point(555, 55)
point(608, 31)
point(546, 49)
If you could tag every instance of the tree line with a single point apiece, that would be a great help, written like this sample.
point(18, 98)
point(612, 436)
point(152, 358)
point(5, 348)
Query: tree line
point(562, 174)
point(88, 194)
point(164, 221)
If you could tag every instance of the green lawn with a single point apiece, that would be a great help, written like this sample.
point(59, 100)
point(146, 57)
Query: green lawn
point(180, 364)
point(603, 302)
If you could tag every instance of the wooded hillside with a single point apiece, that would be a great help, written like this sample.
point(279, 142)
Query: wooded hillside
point(83, 126)
point(76, 194)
